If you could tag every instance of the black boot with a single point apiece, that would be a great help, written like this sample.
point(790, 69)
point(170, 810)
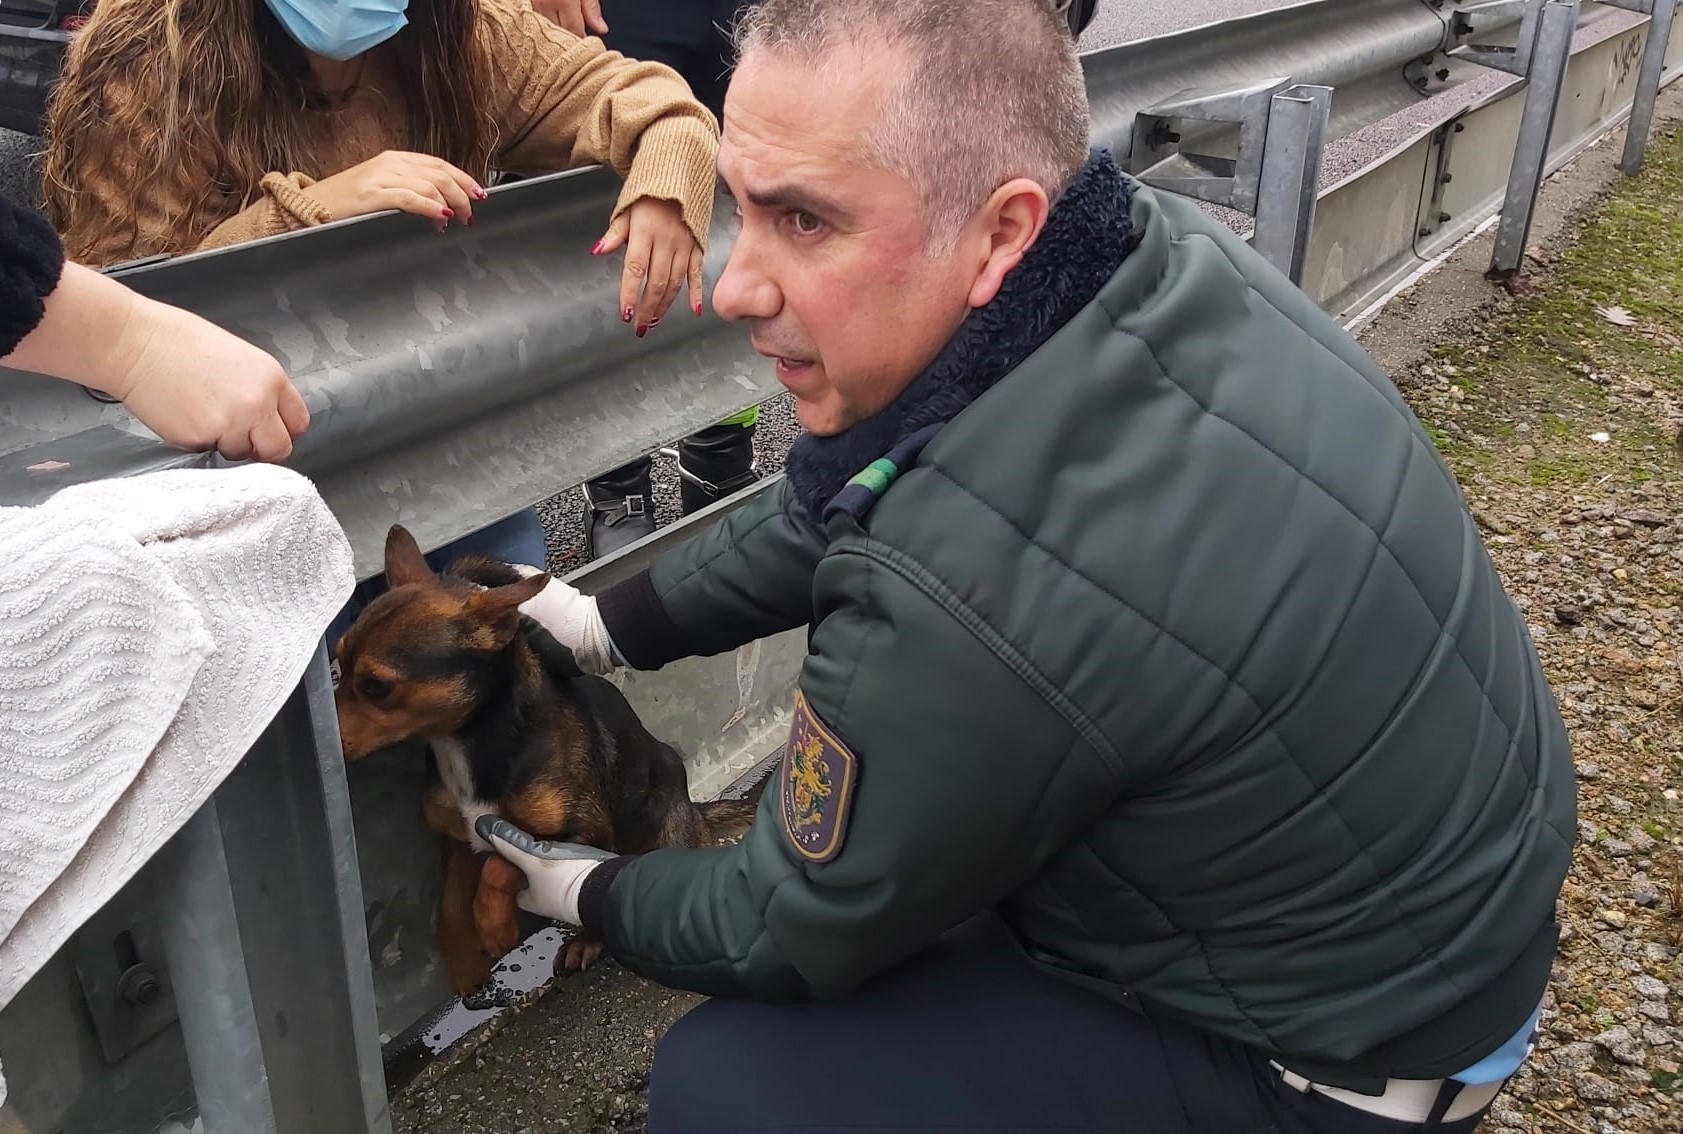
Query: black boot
point(715, 462)
point(618, 508)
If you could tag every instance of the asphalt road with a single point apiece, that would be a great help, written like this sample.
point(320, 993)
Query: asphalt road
point(1122, 21)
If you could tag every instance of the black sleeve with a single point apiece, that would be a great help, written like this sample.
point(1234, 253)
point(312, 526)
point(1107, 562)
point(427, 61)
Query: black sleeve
point(748, 577)
point(31, 262)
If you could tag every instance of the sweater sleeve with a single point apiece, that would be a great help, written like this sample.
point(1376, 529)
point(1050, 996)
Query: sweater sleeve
point(282, 206)
point(564, 102)
point(31, 262)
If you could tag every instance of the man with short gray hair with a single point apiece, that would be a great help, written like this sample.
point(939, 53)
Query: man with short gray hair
point(1167, 754)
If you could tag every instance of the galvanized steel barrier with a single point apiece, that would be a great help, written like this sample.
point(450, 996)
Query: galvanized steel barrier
point(262, 961)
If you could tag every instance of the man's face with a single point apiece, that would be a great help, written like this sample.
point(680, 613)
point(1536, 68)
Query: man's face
point(830, 265)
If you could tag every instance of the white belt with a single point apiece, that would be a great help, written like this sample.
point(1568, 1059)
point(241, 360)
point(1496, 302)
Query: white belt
point(1404, 1100)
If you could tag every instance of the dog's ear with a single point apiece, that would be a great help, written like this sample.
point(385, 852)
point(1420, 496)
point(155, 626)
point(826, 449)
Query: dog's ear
point(496, 612)
point(404, 561)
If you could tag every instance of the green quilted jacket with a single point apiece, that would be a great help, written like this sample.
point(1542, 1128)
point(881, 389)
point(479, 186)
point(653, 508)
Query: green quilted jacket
point(1155, 623)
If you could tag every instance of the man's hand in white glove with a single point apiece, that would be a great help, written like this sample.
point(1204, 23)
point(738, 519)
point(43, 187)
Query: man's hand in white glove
point(572, 619)
point(555, 872)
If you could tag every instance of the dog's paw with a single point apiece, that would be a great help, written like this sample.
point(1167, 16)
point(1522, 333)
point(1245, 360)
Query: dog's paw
point(578, 954)
point(468, 971)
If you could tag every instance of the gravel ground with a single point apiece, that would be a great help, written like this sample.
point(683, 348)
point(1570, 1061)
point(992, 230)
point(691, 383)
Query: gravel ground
point(563, 514)
point(577, 1061)
point(1560, 410)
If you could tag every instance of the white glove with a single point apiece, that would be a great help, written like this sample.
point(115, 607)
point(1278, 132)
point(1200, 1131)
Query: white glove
point(572, 619)
point(555, 872)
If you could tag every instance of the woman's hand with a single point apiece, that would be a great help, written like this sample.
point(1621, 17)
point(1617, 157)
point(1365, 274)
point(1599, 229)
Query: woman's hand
point(189, 381)
point(660, 257)
point(199, 387)
point(574, 15)
point(415, 183)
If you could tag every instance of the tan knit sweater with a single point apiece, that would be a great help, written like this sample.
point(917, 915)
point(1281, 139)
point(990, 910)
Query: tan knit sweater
point(559, 103)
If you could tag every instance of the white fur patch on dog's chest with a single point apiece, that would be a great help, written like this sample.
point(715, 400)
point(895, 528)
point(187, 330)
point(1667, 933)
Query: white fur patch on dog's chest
point(456, 775)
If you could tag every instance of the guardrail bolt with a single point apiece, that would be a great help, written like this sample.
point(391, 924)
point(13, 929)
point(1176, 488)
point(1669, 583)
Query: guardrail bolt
point(1446, 179)
point(138, 987)
point(1443, 218)
point(1161, 135)
point(1443, 74)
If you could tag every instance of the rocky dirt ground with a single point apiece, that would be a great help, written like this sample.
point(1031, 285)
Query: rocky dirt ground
point(1560, 409)
point(574, 1061)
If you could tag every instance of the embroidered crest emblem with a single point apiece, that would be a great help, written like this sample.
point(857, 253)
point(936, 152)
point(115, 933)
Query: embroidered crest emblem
point(816, 785)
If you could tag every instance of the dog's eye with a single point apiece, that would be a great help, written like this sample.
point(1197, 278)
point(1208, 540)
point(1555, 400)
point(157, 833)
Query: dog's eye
point(373, 689)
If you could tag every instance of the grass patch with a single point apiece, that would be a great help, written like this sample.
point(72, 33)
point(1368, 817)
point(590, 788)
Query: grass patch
point(1548, 370)
point(1541, 474)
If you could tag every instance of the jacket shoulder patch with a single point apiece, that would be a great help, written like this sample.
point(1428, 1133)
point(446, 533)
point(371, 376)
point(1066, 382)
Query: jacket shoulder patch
point(815, 785)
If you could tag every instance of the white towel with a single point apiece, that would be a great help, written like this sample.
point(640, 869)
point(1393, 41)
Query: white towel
point(150, 629)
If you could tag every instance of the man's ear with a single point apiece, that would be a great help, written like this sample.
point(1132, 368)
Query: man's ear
point(404, 562)
point(495, 613)
point(1005, 227)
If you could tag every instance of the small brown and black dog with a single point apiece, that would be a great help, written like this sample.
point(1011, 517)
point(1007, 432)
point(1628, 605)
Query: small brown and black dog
point(515, 729)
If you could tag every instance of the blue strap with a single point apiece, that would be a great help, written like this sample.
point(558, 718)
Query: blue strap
point(1505, 1060)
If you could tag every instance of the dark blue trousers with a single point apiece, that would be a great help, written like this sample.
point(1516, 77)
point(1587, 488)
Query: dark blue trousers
point(968, 1036)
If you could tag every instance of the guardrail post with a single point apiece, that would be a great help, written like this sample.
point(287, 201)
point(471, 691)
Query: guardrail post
point(1274, 173)
point(213, 999)
point(1163, 159)
point(1659, 13)
point(262, 916)
point(1291, 175)
point(1545, 61)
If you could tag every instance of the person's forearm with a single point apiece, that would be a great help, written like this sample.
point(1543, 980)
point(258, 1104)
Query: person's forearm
point(194, 384)
point(89, 332)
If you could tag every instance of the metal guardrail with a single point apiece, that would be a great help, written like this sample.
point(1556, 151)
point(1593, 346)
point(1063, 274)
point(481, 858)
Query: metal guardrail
point(456, 380)
point(1384, 224)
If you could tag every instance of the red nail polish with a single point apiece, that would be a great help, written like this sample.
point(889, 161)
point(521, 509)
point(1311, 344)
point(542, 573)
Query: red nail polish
point(480, 192)
point(696, 307)
point(596, 249)
point(641, 331)
point(448, 213)
point(625, 316)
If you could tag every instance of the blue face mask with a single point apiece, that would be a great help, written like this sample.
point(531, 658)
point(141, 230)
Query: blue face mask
point(340, 29)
